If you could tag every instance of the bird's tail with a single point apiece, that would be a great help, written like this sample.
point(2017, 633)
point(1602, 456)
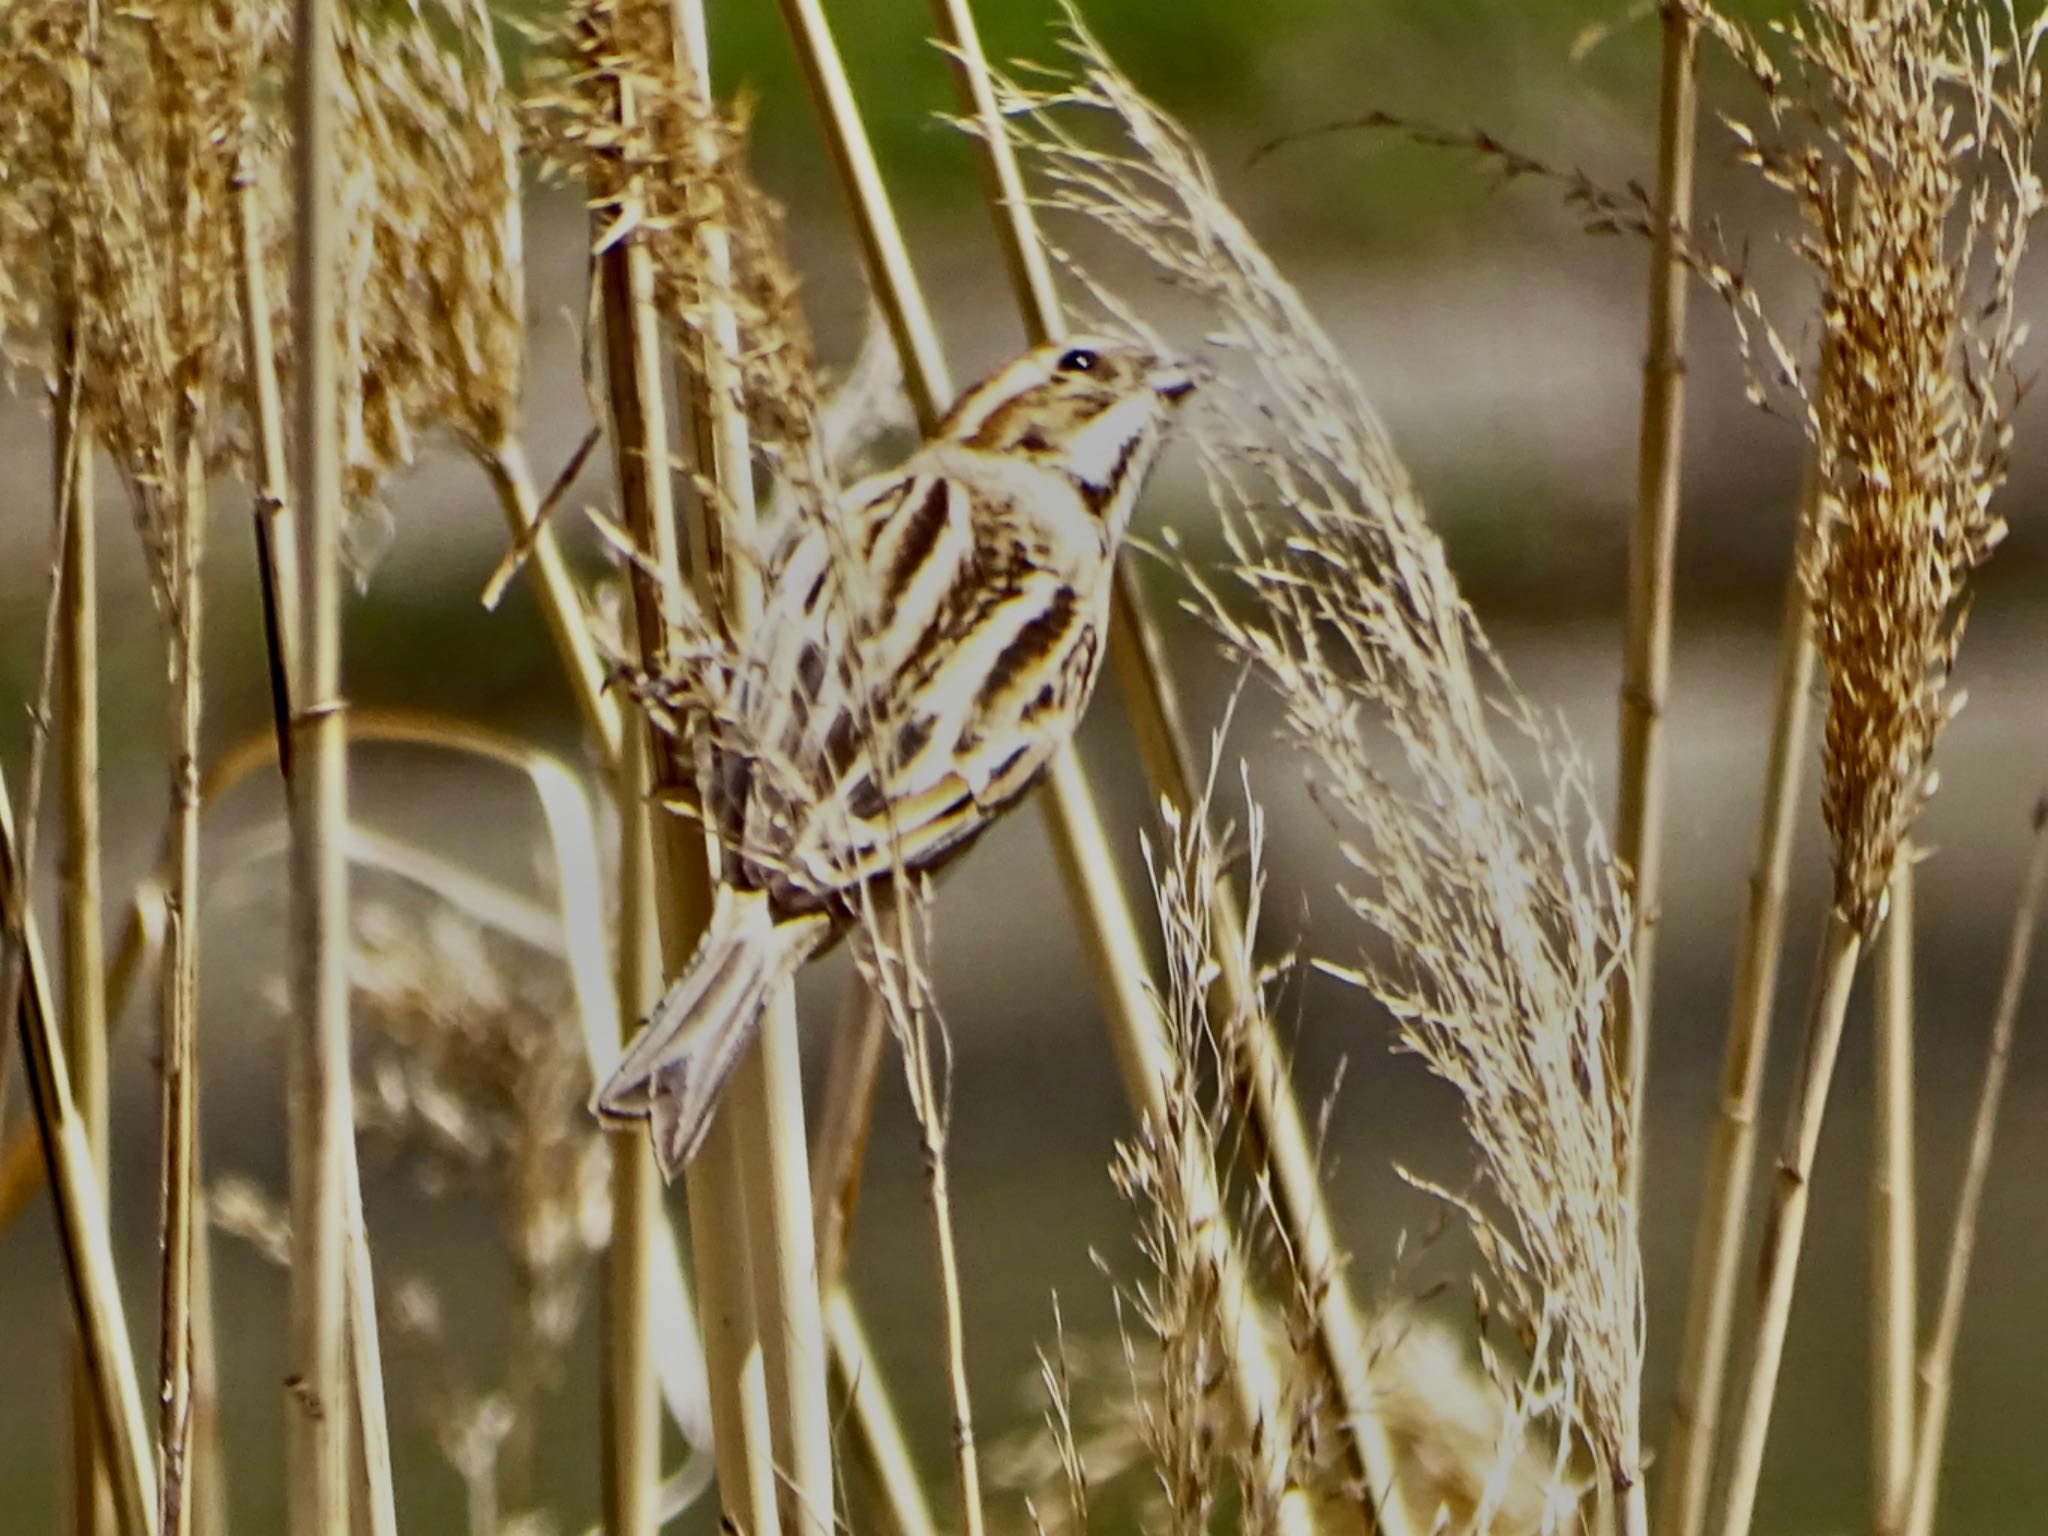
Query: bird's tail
point(672, 1072)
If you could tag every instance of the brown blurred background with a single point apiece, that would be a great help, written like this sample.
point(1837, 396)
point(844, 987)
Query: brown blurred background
point(1503, 346)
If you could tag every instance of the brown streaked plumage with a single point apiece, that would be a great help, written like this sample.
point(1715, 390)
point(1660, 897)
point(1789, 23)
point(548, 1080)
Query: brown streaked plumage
point(918, 661)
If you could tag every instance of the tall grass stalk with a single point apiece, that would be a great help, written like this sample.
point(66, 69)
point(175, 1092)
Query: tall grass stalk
point(746, 1472)
point(83, 1234)
point(1894, 1285)
point(766, 1103)
point(631, 1476)
point(321, 1115)
point(1652, 547)
point(1273, 1117)
point(1785, 1225)
point(276, 556)
point(1688, 1463)
point(1937, 1366)
point(1102, 910)
point(178, 1046)
point(79, 872)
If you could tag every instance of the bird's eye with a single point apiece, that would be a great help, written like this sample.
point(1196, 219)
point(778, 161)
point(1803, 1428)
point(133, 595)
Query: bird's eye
point(1080, 360)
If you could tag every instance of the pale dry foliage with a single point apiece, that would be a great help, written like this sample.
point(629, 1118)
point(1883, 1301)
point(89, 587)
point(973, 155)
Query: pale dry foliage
point(473, 1087)
point(434, 337)
point(1174, 1419)
point(1499, 919)
point(145, 141)
point(1904, 134)
point(1167, 1173)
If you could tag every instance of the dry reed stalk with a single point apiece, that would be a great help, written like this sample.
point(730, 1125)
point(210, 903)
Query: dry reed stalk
point(321, 1125)
point(1937, 1365)
point(1894, 1288)
point(79, 873)
point(1785, 1224)
point(852, 1071)
point(1505, 922)
point(1652, 548)
point(1909, 157)
point(1687, 1470)
point(376, 1495)
point(179, 1004)
point(1109, 930)
point(82, 1230)
point(766, 1102)
point(746, 1473)
point(263, 404)
point(631, 1407)
point(1273, 1119)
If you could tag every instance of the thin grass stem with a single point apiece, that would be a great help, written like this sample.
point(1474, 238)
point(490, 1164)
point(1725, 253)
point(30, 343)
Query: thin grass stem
point(178, 1047)
point(1281, 1146)
point(1894, 1293)
point(1688, 1461)
point(1652, 542)
point(276, 556)
point(1145, 1058)
point(632, 1401)
point(80, 1208)
point(746, 1473)
point(765, 1104)
point(1937, 1365)
point(1785, 1226)
point(79, 873)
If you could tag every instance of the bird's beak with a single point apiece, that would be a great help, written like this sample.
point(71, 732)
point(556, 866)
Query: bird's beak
point(1171, 382)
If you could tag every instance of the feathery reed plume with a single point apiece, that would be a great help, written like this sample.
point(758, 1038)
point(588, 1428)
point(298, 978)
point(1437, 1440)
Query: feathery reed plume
point(613, 57)
point(1165, 1171)
point(156, 337)
point(1503, 915)
point(474, 1085)
point(1904, 138)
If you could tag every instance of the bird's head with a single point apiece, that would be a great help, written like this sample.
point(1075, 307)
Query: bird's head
point(1095, 408)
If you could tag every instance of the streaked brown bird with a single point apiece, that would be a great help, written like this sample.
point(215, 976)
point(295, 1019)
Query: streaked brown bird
point(918, 662)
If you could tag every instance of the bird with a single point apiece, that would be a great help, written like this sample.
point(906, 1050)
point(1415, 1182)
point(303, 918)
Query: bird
point(919, 659)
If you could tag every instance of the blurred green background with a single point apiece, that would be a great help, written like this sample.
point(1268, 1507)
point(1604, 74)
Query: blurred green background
point(1503, 345)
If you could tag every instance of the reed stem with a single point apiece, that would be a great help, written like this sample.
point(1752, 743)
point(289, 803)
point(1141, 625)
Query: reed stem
point(1785, 1227)
point(79, 872)
point(1937, 1365)
point(1894, 1298)
point(765, 1103)
point(178, 1048)
point(80, 1208)
point(321, 1127)
point(1653, 536)
point(632, 1401)
point(732, 1348)
point(1688, 1461)
point(1280, 1143)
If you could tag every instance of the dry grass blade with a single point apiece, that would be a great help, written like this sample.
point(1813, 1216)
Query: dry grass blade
point(1503, 919)
point(1938, 1363)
